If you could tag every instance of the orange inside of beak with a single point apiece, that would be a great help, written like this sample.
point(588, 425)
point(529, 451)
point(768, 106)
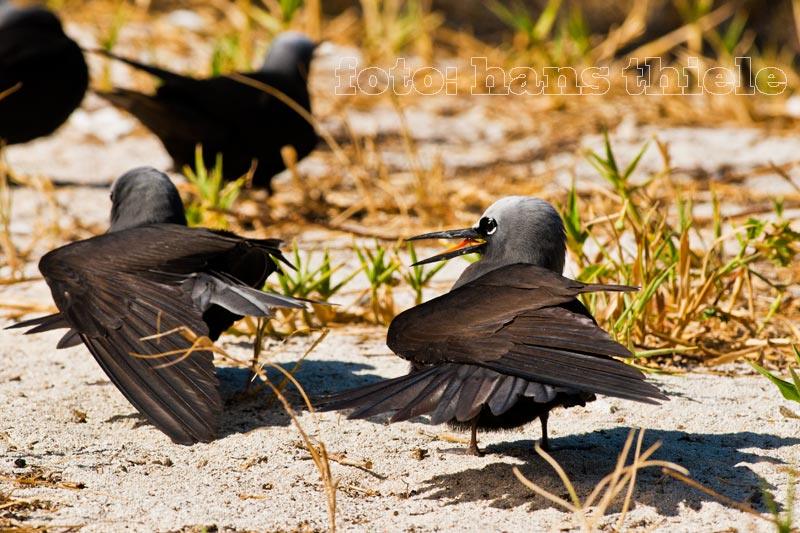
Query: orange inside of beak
point(462, 244)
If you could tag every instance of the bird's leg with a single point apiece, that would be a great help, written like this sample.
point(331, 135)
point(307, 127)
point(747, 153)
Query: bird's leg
point(544, 443)
point(473, 439)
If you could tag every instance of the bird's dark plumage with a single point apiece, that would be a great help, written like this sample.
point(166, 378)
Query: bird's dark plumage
point(226, 116)
point(43, 75)
point(509, 342)
point(136, 296)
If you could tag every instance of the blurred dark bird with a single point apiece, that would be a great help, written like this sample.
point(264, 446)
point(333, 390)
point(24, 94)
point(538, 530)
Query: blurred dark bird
point(43, 74)
point(133, 294)
point(241, 122)
point(509, 342)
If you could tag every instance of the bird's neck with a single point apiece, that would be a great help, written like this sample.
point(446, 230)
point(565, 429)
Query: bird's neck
point(482, 267)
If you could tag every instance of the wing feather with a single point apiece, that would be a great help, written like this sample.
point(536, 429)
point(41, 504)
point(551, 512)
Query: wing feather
point(523, 321)
point(130, 297)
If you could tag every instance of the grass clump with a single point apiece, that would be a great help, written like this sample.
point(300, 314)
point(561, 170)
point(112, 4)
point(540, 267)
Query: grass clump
point(419, 276)
point(379, 266)
point(212, 198)
point(305, 280)
point(702, 288)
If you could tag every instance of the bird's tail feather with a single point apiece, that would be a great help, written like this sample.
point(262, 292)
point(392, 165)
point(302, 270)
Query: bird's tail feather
point(164, 74)
point(389, 395)
point(448, 392)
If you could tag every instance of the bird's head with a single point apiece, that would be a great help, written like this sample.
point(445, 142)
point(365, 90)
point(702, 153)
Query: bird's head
point(514, 229)
point(144, 196)
point(290, 54)
point(34, 18)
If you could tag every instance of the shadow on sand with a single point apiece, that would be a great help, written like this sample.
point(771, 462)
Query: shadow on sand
point(714, 460)
point(717, 461)
point(252, 407)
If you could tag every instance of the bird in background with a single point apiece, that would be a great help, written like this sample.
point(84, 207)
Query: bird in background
point(131, 294)
point(43, 74)
point(243, 123)
point(509, 342)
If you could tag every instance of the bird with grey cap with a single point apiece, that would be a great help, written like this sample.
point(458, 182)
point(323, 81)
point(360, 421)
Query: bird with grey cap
point(247, 125)
point(140, 295)
point(509, 342)
point(43, 75)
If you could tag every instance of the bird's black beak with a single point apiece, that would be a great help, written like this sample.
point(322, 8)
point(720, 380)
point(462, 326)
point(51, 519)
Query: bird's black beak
point(473, 242)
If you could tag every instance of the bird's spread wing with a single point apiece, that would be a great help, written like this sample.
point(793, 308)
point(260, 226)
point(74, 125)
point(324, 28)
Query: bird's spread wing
point(523, 321)
point(132, 296)
point(104, 296)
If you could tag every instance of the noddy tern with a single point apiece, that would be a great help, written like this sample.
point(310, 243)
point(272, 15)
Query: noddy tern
point(509, 342)
point(132, 295)
point(43, 75)
point(245, 124)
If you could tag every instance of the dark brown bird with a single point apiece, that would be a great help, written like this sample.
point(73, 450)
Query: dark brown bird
point(509, 342)
point(133, 294)
point(245, 124)
point(43, 74)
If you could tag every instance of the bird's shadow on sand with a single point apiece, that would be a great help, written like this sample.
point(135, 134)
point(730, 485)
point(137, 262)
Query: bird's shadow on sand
point(253, 406)
point(714, 460)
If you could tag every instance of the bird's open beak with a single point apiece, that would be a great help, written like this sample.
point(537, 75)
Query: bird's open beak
point(473, 242)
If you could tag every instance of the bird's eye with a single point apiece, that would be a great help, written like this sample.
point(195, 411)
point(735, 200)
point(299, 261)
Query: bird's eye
point(487, 226)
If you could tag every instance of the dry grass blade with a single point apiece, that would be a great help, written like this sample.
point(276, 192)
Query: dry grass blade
point(724, 499)
point(41, 478)
point(317, 450)
point(545, 494)
point(290, 376)
point(621, 478)
point(342, 459)
point(669, 41)
point(629, 495)
point(576, 507)
point(796, 15)
point(199, 343)
point(11, 90)
point(13, 260)
point(445, 437)
point(632, 27)
point(318, 453)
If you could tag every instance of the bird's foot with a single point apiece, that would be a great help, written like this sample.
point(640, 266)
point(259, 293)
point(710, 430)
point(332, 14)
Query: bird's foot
point(473, 450)
point(473, 439)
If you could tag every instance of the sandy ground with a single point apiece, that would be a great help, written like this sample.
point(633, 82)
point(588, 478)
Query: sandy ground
point(258, 476)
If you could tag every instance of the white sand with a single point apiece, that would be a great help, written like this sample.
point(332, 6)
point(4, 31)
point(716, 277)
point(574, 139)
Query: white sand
point(258, 475)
